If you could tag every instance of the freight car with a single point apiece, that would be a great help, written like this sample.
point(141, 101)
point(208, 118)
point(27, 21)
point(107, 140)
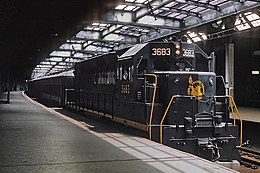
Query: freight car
point(50, 90)
point(168, 90)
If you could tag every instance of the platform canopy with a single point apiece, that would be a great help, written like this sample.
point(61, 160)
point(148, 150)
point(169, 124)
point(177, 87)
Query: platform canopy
point(139, 21)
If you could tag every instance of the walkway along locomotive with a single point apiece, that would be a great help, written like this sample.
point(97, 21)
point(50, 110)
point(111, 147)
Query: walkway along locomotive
point(165, 89)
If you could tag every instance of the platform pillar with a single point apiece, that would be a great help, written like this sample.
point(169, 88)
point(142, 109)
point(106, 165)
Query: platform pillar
point(229, 67)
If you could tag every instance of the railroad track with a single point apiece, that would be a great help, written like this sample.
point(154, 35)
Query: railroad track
point(250, 158)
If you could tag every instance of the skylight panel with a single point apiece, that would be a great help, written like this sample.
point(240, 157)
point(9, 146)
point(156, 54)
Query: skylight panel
point(146, 30)
point(48, 63)
point(137, 34)
point(44, 66)
point(65, 64)
point(129, 8)
point(197, 36)
point(165, 13)
point(136, 8)
point(204, 1)
point(196, 39)
point(256, 23)
point(60, 66)
point(72, 60)
point(243, 27)
point(89, 28)
point(96, 29)
point(74, 41)
point(198, 9)
point(189, 41)
point(95, 24)
point(125, 27)
point(37, 69)
point(56, 59)
point(60, 53)
point(140, 1)
point(203, 35)
point(103, 25)
point(157, 11)
point(173, 15)
point(181, 16)
point(192, 34)
point(189, 7)
point(252, 16)
point(240, 20)
point(120, 7)
point(171, 4)
point(241, 24)
point(216, 2)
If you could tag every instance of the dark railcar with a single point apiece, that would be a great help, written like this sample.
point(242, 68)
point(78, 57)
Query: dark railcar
point(50, 90)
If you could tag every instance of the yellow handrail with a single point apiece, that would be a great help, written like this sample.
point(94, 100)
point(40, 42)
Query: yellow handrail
point(233, 113)
point(239, 116)
point(152, 109)
point(164, 115)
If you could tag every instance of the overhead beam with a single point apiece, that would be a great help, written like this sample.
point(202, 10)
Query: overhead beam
point(82, 51)
point(143, 25)
point(147, 12)
point(148, 21)
point(247, 6)
point(102, 40)
point(65, 57)
point(189, 13)
point(200, 4)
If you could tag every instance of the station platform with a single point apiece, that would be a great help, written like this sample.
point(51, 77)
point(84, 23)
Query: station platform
point(34, 138)
point(251, 114)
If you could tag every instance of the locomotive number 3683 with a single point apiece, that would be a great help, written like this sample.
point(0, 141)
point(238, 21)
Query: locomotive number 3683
point(161, 51)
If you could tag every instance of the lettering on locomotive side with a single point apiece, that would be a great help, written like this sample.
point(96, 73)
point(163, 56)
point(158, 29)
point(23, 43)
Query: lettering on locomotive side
point(195, 88)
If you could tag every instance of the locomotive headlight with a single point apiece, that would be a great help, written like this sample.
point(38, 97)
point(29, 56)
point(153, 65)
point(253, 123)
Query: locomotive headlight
point(177, 46)
point(211, 82)
point(177, 49)
point(177, 52)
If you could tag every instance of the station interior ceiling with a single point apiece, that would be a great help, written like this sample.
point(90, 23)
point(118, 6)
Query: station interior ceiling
point(39, 38)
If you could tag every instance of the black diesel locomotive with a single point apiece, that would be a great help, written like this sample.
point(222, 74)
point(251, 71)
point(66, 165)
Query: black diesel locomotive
point(166, 89)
